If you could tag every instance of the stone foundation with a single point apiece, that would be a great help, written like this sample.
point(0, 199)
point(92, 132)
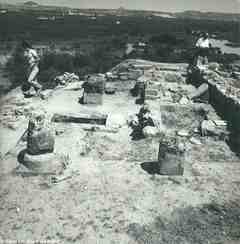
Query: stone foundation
point(224, 101)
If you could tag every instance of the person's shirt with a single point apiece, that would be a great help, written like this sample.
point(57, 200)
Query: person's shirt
point(31, 56)
point(203, 43)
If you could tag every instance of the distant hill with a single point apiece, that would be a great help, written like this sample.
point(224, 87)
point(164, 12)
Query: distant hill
point(30, 4)
point(208, 15)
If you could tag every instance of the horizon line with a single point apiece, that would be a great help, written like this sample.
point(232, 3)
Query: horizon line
point(130, 9)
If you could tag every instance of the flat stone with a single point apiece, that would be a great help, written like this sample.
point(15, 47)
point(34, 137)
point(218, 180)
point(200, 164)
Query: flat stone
point(88, 118)
point(183, 133)
point(143, 66)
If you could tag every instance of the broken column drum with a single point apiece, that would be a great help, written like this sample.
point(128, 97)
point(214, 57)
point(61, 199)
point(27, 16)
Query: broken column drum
point(171, 156)
point(40, 138)
point(40, 143)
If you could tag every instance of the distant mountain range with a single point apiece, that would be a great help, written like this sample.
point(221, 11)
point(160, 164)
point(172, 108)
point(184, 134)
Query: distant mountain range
point(34, 6)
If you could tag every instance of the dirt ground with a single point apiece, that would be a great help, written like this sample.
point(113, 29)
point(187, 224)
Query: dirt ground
point(114, 194)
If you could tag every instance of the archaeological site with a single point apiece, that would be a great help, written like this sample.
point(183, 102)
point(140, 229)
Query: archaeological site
point(145, 153)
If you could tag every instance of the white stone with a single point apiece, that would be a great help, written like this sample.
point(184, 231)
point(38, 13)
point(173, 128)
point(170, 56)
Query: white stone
point(184, 101)
point(195, 141)
point(150, 131)
point(183, 133)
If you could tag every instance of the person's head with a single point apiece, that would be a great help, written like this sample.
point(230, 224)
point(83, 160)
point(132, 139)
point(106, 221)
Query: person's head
point(26, 44)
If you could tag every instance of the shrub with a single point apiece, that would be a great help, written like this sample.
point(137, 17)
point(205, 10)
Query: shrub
point(61, 62)
point(46, 78)
point(16, 68)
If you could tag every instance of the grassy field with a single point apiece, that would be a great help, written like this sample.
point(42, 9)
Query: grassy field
point(14, 26)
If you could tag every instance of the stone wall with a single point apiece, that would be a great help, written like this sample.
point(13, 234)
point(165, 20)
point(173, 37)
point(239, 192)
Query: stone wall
point(132, 69)
point(226, 101)
point(224, 98)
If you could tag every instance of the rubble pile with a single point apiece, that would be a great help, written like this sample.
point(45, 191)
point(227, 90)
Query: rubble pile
point(224, 96)
point(66, 78)
point(181, 116)
point(14, 110)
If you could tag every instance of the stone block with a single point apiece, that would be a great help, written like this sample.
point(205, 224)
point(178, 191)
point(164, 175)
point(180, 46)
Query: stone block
point(171, 157)
point(40, 142)
point(85, 118)
point(92, 98)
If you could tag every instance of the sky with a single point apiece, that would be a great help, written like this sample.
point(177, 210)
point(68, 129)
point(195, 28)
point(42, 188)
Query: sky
point(229, 6)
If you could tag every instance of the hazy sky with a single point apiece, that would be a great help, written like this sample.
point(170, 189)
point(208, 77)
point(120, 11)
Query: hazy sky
point(161, 5)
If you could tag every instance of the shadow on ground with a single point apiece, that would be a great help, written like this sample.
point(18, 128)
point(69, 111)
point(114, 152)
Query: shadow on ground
point(151, 168)
point(209, 223)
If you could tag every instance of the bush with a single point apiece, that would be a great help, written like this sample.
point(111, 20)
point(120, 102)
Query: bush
point(165, 38)
point(46, 78)
point(16, 68)
point(61, 62)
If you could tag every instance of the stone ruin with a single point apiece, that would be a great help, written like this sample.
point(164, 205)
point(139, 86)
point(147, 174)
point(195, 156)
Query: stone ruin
point(39, 155)
point(171, 155)
point(93, 89)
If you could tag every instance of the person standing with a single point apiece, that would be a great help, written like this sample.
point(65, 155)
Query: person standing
point(32, 60)
point(202, 46)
